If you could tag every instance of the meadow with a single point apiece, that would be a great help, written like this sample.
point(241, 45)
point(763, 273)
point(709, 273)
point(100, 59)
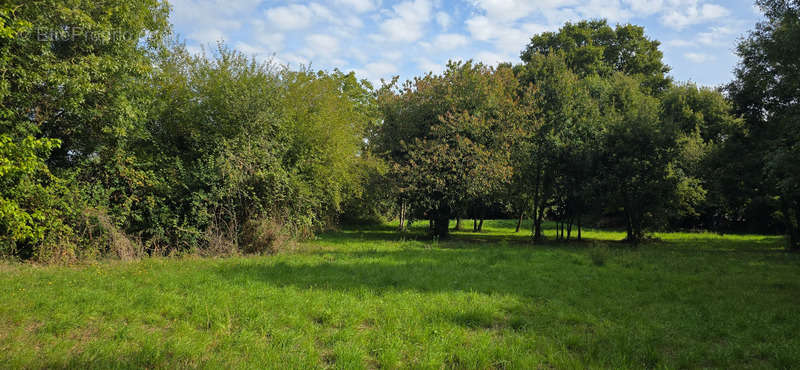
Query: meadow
point(370, 297)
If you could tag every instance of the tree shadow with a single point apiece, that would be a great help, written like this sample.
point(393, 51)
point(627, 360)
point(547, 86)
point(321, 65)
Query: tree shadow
point(470, 268)
point(502, 233)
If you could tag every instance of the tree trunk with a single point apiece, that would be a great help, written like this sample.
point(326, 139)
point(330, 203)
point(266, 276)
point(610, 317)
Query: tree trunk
point(519, 221)
point(580, 237)
point(480, 225)
point(569, 228)
point(402, 216)
point(558, 230)
point(442, 225)
point(458, 224)
point(629, 226)
point(537, 224)
point(474, 225)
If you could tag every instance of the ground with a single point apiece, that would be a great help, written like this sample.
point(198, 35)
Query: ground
point(370, 298)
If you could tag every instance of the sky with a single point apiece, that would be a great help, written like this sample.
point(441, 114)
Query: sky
point(379, 39)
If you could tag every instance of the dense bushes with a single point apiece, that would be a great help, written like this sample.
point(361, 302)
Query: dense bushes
point(128, 144)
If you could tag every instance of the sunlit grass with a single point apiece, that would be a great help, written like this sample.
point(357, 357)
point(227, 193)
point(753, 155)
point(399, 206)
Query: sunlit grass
point(371, 297)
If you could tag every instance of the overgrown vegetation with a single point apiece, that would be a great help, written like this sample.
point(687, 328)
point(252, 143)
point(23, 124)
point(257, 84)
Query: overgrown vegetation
point(115, 140)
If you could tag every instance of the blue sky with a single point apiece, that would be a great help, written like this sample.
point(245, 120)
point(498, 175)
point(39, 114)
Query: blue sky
point(382, 38)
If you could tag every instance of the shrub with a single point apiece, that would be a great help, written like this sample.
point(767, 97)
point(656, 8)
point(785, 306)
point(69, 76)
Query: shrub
point(264, 235)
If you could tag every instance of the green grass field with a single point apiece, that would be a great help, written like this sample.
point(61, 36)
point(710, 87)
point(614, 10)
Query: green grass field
point(373, 298)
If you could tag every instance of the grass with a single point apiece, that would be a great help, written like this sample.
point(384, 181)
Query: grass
point(370, 297)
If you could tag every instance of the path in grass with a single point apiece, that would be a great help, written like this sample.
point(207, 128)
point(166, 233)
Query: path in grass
point(372, 298)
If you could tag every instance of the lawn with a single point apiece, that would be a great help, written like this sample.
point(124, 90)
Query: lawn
point(370, 298)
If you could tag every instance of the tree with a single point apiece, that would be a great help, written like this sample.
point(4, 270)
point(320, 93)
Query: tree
point(444, 136)
point(593, 47)
point(765, 92)
point(555, 153)
point(639, 149)
point(705, 123)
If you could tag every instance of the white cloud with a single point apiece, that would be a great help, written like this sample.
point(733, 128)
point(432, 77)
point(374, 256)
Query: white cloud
point(481, 28)
point(374, 72)
point(359, 6)
point(678, 43)
point(254, 51)
point(273, 40)
point(393, 55)
point(493, 59)
point(512, 10)
point(408, 21)
point(645, 7)
point(506, 38)
point(208, 36)
point(290, 17)
point(717, 36)
point(443, 20)
point(693, 14)
point(323, 45)
point(208, 21)
point(699, 57)
point(426, 65)
point(449, 41)
point(291, 59)
point(380, 38)
point(608, 9)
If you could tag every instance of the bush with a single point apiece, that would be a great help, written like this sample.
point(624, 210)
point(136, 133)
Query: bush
point(264, 235)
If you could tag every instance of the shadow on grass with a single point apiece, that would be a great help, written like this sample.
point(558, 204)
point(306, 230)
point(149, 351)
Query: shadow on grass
point(501, 231)
point(501, 270)
point(541, 271)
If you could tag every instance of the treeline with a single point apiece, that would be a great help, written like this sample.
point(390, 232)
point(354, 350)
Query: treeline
point(116, 140)
point(579, 135)
point(590, 130)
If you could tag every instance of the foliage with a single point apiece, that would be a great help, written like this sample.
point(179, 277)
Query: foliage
point(765, 92)
point(638, 150)
point(445, 138)
point(705, 123)
point(238, 140)
point(180, 150)
point(593, 47)
point(556, 153)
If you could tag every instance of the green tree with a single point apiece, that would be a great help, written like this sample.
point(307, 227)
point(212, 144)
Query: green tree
point(765, 92)
point(705, 123)
point(444, 137)
point(555, 154)
point(594, 47)
point(639, 149)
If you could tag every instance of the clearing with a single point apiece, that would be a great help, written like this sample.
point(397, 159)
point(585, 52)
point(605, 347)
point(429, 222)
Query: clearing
point(370, 298)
